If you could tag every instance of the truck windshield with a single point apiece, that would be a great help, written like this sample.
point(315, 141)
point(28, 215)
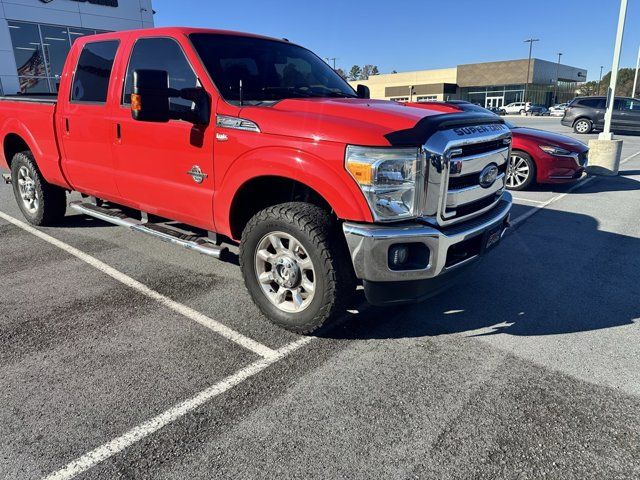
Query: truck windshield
point(257, 70)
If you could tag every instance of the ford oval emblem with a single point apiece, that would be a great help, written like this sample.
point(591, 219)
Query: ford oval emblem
point(488, 175)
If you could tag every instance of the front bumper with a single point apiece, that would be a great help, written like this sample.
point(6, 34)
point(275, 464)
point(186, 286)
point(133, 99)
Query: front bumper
point(449, 249)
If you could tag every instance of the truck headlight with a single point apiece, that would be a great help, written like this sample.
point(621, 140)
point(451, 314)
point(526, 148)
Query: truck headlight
point(389, 178)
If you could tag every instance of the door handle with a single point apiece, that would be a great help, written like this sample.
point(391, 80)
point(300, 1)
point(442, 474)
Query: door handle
point(118, 131)
point(66, 126)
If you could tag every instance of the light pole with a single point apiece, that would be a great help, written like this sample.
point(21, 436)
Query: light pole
point(526, 85)
point(555, 97)
point(326, 59)
point(600, 81)
point(635, 80)
point(611, 92)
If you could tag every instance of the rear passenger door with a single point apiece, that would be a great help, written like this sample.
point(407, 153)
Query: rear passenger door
point(153, 160)
point(84, 125)
point(629, 113)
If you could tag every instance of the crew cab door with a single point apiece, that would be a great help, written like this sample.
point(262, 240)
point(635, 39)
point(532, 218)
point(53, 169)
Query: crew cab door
point(154, 160)
point(83, 123)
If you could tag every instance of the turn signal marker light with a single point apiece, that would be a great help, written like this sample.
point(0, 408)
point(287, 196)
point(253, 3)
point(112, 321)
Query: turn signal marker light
point(362, 172)
point(136, 102)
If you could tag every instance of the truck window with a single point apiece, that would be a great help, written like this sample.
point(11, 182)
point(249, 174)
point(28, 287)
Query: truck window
point(161, 54)
point(269, 70)
point(91, 79)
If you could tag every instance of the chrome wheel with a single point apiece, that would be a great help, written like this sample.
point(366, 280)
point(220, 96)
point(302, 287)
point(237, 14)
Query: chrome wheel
point(27, 189)
point(285, 272)
point(518, 171)
point(582, 126)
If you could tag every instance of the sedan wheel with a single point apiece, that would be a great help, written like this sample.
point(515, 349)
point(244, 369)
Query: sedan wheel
point(582, 126)
point(520, 171)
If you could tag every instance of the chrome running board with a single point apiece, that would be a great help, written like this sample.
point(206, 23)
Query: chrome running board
point(165, 233)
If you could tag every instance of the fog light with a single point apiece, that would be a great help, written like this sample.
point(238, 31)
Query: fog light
point(398, 255)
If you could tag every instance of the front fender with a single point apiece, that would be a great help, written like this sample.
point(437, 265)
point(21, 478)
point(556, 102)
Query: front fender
point(327, 178)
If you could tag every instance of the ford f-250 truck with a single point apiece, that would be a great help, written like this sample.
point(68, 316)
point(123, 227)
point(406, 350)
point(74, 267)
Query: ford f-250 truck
point(206, 137)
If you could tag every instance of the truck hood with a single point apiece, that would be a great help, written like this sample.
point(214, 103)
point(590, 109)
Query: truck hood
point(549, 138)
point(353, 121)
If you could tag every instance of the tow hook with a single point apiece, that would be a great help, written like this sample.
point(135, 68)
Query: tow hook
point(7, 178)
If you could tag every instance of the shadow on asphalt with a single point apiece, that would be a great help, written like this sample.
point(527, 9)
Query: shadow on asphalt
point(563, 275)
point(617, 184)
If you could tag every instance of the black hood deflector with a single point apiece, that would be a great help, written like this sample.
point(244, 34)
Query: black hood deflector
point(425, 128)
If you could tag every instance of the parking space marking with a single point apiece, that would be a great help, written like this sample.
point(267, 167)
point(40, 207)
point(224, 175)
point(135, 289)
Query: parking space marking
point(520, 199)
point(188, 312)
point(115, 446)
point(534, 210)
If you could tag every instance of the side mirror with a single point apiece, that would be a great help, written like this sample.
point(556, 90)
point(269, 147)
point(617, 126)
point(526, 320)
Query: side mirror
point(201, 112)
point(363, 91)
point(150, 97)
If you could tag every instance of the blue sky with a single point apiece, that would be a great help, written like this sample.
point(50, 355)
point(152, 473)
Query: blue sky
point(414, 35)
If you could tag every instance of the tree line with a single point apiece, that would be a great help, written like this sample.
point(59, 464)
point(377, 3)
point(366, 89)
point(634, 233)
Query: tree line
point(359, 73)
point(624, 85)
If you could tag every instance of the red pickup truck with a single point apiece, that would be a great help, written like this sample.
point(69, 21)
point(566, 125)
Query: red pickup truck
point(206, 137)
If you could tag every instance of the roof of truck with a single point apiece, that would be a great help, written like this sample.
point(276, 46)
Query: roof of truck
point(174, 31)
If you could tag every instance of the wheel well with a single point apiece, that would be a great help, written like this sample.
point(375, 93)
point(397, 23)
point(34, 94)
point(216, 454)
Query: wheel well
point(262, 192)
point(13, 144)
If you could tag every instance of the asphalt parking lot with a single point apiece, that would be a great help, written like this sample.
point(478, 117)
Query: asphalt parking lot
point(124, 357)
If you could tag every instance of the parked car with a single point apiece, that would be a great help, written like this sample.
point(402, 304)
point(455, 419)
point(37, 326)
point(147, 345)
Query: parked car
point(586, 114)
point(537, 110)
point(516, 107)
point(536, 156)
point(557, 110)
point(498, 110)
point(206, 137)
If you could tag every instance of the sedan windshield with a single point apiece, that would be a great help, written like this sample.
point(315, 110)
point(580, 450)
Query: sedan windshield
point(256, 70)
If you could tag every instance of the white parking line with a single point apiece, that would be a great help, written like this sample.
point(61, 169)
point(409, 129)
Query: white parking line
point(518, 220)
point(521, 199)
point(188, 312)
point(111, 448)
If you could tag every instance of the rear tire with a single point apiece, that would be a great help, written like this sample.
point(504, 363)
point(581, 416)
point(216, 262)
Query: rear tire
point(296, 266)
point(583, 126)
point(41, 203)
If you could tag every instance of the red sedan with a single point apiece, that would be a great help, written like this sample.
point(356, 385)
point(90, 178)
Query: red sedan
point(537, 156)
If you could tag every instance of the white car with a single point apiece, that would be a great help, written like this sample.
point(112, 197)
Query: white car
point(516, 107)
point(558, 110)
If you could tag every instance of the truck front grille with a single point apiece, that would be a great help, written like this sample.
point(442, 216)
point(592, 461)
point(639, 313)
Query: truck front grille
point(454, 177)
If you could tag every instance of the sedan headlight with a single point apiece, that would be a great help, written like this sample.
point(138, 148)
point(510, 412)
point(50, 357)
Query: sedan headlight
point(389, 179)
point(557, 151)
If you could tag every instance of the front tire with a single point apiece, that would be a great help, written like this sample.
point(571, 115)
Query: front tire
point(296, 266)
point(41, 203)
point(521, 171)
point(583, 126)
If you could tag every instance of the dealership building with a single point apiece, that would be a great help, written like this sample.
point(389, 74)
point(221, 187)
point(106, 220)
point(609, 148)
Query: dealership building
point(36, 35)
point(491, 84)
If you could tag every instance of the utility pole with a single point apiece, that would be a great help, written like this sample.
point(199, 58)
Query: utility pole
point(526, 85)
point(555, 97)
point(635, 80)
point(600, 81)
point(327, 59)
point(611, 92)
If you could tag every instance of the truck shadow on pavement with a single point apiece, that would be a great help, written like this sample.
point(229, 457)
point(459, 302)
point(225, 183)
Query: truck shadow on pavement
point(619, 184)
point(557, 273)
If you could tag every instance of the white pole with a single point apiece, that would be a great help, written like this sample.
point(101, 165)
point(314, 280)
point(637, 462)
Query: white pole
point(606, 133)
point(635, 80)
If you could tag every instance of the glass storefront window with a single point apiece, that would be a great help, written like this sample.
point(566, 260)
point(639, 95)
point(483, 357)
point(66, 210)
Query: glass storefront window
point(40, 52)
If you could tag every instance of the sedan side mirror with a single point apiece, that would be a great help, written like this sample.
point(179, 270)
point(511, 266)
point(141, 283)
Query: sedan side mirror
point(150, 97)
point(363, 91)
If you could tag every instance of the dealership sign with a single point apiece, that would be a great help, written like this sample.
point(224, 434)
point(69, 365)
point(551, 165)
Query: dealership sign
point(106, 3)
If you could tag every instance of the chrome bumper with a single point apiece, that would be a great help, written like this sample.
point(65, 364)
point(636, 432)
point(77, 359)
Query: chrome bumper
point(369, 244)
